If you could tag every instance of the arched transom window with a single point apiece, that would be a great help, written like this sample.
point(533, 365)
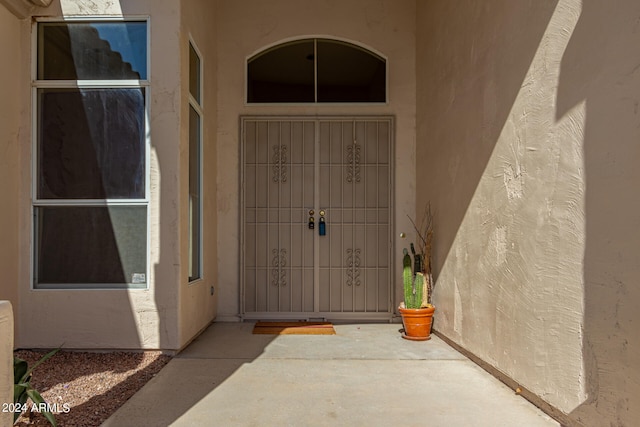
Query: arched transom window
point(316, 71)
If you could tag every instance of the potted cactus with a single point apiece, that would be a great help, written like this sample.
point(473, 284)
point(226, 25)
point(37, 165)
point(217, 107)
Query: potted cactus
point(417, 309)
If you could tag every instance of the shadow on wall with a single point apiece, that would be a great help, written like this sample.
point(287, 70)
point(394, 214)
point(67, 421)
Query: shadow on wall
point(464, 151)
point(509, 249)
point(601, 66)
point(477, 57)
point(91, 146)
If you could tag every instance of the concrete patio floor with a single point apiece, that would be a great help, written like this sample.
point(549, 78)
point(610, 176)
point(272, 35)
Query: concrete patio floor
point(365, 375)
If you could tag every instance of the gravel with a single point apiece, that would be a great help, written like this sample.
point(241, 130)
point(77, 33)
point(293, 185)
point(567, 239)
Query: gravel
point(86, 388)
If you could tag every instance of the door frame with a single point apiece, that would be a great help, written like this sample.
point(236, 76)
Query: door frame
point(356, 316)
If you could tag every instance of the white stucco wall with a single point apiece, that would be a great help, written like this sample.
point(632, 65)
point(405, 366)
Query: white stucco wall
point(527, 127)
point(198, 306)
point(506, 179)
point(6, 360)
point(247, 26)
point(10, 78)
point(117, 318)
point(600, 73)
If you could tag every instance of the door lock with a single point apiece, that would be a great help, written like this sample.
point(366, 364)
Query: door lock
point(322, 228)
point(312, 220)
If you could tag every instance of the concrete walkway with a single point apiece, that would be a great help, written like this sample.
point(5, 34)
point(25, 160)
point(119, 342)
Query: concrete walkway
point(365, 375)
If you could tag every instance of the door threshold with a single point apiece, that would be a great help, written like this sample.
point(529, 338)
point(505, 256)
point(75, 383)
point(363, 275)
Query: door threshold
point(320, 317)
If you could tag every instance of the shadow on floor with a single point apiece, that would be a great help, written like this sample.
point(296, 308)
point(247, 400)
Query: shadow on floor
point(366, 374)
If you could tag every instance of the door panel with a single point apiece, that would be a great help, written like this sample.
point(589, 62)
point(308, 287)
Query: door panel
point(338, 167)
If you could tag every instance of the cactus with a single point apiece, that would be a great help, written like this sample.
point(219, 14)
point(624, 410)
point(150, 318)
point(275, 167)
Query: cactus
point(417, 263)
point(407, 278)
point(413, 280)
point(426, 291)
point(418, 286)
point(422, 262)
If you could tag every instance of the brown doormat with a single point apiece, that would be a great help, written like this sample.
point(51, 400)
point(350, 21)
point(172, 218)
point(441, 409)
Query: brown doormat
point(294, 328)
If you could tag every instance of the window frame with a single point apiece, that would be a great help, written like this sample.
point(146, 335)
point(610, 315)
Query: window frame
point(36, 201)
point(197, 105)
point(315, 39)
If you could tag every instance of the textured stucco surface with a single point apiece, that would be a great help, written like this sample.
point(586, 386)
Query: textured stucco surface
point(510, 257)
point(197, 306)
point(116, 318)
point(600, 69)
point(171, 312)
point(20, 8)
point(9, 157)
point(6, 360)
point(248, 26)
point(529, 175)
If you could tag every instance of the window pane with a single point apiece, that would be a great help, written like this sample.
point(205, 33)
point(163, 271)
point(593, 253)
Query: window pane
point(283, 74)
point(194, 194)
point(194, 73)
point(91, 246)
point(347, 73)
point(91, 144)
point(194, 238)
point(92, 51)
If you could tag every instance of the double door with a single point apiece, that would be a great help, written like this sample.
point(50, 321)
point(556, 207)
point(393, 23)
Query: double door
point(316, 218)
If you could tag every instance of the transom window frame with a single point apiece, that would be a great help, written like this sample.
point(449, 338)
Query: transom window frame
point(315, 38)
point(36, 201)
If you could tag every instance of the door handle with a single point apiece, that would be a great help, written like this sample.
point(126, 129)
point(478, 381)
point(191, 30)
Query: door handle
point(312, 223)
point(322, 226)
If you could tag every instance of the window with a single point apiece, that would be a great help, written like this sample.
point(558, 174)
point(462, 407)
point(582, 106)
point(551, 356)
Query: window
point(91, 181)
point(195, 150)
point(316, 70)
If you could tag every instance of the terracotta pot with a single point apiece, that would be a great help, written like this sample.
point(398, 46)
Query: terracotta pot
point(417, 323)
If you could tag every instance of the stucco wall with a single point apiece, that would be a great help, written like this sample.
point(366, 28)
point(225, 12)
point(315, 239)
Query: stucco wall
point(600, 70)
point(117, 318)
point(247, 26)
point(197, 304)
point(505, 178)
point(10, 77)
point(6, 360)
point(527, 140)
